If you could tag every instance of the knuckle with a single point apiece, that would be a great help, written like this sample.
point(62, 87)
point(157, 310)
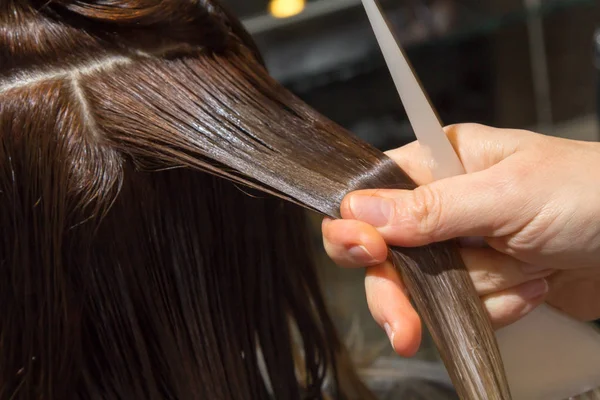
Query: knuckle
point(488, 280)
point(426, 210)
point(492, 281)
point(466, 129)
point(506, 180)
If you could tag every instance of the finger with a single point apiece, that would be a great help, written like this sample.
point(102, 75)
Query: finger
point(508, 306)
point(412, 160)
point(478, 146)
point(351, 243)
point(492, 271)
point(391, 308)
point(466, 205)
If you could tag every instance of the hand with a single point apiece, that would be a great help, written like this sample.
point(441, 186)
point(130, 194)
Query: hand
point(534, 199)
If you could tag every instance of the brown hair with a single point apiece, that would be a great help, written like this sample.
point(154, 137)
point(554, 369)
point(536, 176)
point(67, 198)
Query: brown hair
point(126, 273)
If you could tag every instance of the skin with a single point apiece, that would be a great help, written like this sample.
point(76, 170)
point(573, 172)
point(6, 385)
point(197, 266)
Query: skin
point(528, 210)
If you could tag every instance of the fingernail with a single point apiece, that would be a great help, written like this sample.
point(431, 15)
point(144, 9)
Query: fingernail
point(361, 255)
point(533, 289)
point(534, 269)
point(376, 211)
point(390, 333)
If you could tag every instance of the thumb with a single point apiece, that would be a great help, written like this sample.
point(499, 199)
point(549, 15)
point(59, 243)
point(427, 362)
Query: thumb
point(475, 204)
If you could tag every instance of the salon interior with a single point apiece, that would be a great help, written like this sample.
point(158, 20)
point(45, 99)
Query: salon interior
point(531, 64)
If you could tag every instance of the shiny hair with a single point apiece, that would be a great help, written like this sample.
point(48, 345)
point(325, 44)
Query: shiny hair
point(134, 265)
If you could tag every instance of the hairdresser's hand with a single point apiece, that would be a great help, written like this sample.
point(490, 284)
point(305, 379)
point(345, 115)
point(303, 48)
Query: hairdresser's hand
point(535, 199)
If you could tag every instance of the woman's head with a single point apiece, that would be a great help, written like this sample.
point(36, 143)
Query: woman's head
point(124, 271)
point(143, 149)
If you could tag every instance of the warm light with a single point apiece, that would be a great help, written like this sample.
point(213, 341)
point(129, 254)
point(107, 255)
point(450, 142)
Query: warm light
point(286, 8)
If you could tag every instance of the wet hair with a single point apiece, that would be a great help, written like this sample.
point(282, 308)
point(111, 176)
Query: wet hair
point(152, 180)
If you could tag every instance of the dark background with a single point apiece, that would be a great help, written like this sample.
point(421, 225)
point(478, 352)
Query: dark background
point(476, 69)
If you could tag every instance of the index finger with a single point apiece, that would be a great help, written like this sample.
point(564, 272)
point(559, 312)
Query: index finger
point(479, 147)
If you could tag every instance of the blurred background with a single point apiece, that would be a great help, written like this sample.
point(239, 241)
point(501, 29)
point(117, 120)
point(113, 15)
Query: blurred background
point(532, 64)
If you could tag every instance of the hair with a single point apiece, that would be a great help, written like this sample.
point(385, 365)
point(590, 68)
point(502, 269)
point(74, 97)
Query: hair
point(132, 262)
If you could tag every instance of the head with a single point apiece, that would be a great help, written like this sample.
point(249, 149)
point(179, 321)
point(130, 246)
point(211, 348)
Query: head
point(152, 176)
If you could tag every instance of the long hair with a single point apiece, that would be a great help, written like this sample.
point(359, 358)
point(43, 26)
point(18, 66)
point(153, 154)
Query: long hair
point(152, 176)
